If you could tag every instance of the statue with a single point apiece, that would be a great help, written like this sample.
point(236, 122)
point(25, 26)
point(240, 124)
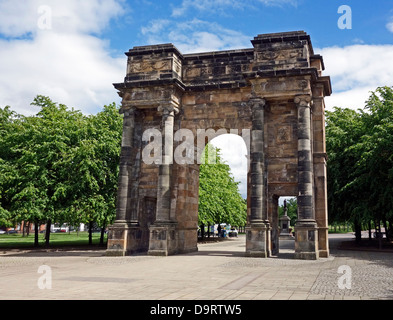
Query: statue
point(285, 224)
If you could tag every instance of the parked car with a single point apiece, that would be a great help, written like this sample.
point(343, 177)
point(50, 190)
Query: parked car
point(232, 233)
point(3, 232)
point(12, 231)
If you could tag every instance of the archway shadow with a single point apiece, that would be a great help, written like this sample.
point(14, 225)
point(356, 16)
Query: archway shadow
point(237, 254)
point(238, 249)
point(218, 253)
point(285, 255)
point(286, 249)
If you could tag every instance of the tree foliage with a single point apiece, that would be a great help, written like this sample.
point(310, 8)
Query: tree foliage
point(219, 197)
point(59, 165)
point(360, 161)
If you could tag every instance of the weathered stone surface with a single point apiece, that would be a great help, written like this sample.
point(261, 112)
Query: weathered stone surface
point(271, 94)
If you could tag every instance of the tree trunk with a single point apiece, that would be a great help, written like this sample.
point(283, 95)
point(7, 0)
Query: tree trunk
point(90, 233)
point(202, 231)
point(358, 231)
point(385, 225)
point(47, 232)
point(102, 236)
point(369, 231)
point(36, 227)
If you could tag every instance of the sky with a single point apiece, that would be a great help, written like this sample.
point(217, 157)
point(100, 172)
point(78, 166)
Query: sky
point(73, 51)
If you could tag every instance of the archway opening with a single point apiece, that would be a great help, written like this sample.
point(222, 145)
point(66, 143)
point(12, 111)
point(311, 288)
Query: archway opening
point(222, 203)
point(287, 217)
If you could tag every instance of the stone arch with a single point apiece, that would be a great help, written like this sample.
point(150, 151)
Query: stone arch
point(275, 90)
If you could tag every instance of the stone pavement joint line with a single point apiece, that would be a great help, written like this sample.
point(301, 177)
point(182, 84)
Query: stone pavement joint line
point(242, 281)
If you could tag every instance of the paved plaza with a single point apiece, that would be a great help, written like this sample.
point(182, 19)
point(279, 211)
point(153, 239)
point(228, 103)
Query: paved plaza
point(218, 271)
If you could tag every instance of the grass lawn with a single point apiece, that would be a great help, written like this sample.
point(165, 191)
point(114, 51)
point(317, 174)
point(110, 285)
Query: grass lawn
point(56, 239)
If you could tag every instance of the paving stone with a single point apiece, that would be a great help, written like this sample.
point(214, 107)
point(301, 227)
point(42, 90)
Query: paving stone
point(198, 276)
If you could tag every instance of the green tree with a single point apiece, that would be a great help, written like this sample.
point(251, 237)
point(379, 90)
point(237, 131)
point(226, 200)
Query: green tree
point(37, 149)
point(360, 162)
point(8, 173)
point(343, 130)
point(59, 166)
point(375, 165)
point(219, 197)
point(93, 167)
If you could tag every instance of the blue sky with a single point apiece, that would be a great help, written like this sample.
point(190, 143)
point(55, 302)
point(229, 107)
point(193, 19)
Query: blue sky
point(317, 17)
point(74, 50)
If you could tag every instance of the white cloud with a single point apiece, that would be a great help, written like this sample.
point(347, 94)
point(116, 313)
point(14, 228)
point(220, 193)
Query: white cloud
point(195, 35)
point(389, 25)
point(355, 71)
point(207, 5)
point(66, 63)
point(18, 18)
point(155, 26)
point(72, 69)
point(353, 99)
point(278, 3)
point(223, 6)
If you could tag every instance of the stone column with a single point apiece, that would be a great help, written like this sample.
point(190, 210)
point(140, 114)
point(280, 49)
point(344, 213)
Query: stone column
point(320, 172)
point(125, 166)
point(258, 200)
point(306, 231)
point(258, 239)
point(321, 214)
point(165, 169)
point(123, 235)
point(163, 232)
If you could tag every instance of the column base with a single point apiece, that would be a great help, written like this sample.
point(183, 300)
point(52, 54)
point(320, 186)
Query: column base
point(306, 255)
point(323, 242)
point(258, 240)
point(187, 240)
point(274, 241)
point(323, 253)
point(163, 239)
point(306, 240)
point(124, 238)
point(286, 236)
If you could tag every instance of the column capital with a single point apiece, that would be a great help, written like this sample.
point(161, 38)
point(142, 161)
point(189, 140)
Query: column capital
point(257, 103)
point(303, 101)
point(168, 109)
point(127, 109)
